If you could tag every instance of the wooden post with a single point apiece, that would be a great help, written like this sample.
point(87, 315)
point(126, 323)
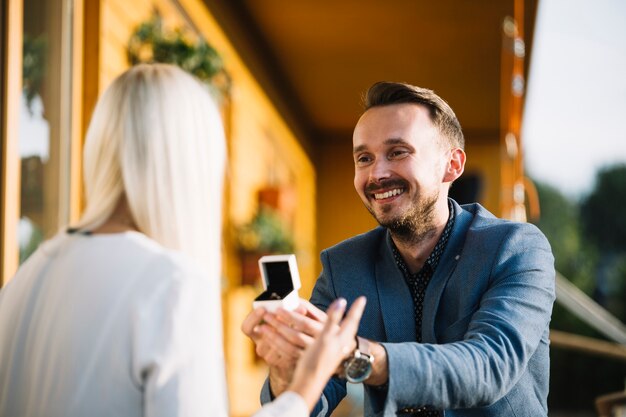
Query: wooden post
point(512, 87)
point(11, 79)
point(76, 129)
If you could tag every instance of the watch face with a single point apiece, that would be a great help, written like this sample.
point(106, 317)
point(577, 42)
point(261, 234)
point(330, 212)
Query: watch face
point(358, 369)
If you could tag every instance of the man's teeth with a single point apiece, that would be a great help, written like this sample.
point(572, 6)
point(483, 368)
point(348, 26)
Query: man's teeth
point(387, 194)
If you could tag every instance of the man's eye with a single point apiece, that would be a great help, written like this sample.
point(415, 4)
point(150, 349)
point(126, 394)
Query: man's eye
point(363, 159)
point(398, 153)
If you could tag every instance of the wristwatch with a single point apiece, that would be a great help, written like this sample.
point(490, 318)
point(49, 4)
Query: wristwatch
point(358, 367)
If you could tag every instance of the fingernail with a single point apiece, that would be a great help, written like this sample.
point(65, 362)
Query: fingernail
point(339, 304)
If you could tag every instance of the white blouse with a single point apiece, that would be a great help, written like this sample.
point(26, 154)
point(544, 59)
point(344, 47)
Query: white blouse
point(114, 325)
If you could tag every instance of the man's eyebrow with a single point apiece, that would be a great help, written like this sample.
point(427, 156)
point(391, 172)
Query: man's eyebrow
point(390, 141)
point(396, 141)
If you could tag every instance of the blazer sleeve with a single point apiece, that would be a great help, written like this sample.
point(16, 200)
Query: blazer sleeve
point(503, 334)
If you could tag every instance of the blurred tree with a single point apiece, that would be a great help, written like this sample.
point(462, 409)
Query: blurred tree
point(602, 210)
point(574, 256)
point(576, 379)
point(605, 225)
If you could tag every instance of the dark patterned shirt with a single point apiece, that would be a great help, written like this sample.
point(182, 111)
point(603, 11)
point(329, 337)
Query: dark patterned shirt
point(417, 284)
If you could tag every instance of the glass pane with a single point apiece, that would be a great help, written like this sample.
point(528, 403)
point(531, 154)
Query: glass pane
point(44, 121)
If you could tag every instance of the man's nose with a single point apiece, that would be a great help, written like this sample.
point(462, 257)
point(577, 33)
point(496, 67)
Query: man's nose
point(379, 170)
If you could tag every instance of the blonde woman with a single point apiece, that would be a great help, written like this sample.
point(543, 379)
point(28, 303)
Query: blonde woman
point(120, 315)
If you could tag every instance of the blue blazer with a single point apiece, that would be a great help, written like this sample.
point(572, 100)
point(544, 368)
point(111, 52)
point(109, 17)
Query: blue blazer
point(485, 326)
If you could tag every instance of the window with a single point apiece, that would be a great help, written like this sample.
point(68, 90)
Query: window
point(38, 125)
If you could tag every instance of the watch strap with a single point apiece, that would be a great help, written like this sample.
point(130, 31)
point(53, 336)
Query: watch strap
point(363, 346)
point(358, 366)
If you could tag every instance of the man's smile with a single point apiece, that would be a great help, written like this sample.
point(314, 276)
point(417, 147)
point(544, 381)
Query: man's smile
point(383, 195)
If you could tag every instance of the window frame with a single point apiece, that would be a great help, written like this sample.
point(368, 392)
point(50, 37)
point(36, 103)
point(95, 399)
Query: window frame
point(12, 24)
point(71, 101)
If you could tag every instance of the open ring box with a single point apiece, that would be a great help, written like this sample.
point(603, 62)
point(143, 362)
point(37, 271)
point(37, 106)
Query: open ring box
point(281, 282)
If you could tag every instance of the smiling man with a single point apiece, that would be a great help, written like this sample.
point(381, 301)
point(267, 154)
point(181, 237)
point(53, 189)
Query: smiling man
point(459, 302)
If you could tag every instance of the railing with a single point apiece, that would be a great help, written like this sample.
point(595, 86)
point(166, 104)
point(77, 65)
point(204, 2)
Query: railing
point(585, 308)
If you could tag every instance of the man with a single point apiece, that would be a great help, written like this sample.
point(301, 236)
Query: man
point(459, 302)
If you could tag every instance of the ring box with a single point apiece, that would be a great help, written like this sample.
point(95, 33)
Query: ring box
point(281, 282)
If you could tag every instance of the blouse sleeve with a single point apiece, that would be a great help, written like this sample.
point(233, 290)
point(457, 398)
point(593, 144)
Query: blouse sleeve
point(178, 359)
point(288, 404)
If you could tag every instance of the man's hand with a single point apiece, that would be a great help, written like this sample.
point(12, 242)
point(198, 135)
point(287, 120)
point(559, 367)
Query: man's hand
point(281, 337)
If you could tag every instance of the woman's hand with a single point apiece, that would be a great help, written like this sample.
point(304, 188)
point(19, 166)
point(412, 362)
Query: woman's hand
point(321, 359)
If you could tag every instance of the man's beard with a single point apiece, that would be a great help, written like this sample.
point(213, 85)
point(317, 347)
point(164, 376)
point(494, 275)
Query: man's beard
point(416, 223)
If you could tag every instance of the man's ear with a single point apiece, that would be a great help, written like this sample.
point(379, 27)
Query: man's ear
point(455, 166)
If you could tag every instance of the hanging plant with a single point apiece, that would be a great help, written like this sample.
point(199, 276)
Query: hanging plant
point(33, 66)
point(152, 42)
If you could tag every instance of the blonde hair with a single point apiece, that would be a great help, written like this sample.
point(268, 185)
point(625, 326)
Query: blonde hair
point(156, 138)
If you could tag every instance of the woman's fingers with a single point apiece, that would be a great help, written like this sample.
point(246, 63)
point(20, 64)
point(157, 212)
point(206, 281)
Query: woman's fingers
point(313, 312)
point(350, 324)
point(334, 314)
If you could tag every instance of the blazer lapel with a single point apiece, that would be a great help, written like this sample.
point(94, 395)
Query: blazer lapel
point(447, 264)
point(394, 297)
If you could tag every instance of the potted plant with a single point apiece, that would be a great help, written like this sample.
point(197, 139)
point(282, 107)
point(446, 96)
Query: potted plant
point(265, 234)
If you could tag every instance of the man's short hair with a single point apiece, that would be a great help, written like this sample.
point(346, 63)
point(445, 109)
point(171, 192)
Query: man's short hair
point(386, 93)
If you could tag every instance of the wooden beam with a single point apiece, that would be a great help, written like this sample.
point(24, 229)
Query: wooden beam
point(512, 88)
point(586, 344)
point(11, 79)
